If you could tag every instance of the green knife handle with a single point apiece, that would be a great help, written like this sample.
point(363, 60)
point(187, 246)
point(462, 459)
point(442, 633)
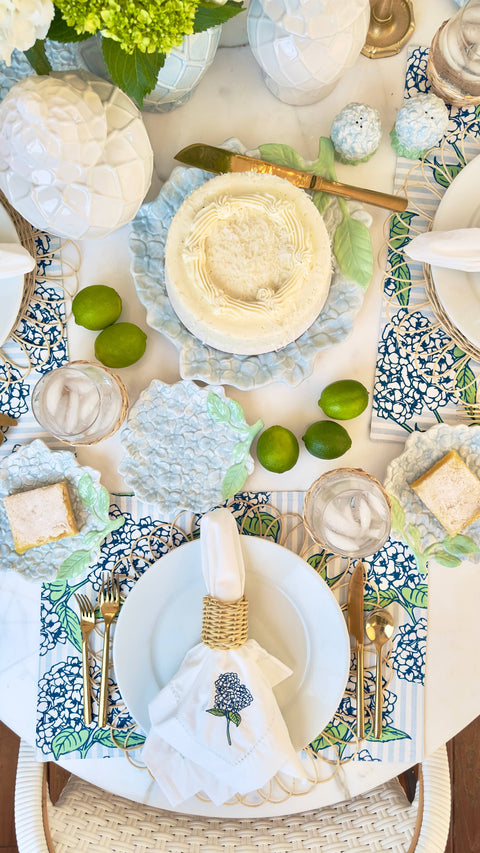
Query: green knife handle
point(359, 693)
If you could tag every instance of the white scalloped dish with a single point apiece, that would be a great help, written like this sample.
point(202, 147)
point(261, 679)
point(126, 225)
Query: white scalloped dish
point(186, 447)
point(412, 522)
point(293, 362)
point(35, 465)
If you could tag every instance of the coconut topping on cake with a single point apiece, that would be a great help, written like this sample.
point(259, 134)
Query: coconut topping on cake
point(248, 263)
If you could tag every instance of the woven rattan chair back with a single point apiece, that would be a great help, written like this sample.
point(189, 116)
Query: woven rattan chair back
point(87, 819)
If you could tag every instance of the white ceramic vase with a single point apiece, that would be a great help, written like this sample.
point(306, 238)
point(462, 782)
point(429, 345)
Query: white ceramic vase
point(183, 69)
point(304, 47)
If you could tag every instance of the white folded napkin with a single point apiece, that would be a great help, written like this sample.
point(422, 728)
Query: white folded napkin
point(458, 249)
point(216, 726)
point(14, 260)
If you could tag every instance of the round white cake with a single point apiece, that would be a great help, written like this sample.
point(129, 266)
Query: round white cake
point(247, 263)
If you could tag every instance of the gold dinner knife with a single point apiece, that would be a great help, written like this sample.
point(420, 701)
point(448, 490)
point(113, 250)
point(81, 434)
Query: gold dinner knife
point(219, 160)
point(355, 628)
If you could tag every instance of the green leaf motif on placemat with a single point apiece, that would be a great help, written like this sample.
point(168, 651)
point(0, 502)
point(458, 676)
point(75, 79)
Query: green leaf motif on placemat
point(69, 740)
point(96, 500)
point(261, 524)
point(230, 413)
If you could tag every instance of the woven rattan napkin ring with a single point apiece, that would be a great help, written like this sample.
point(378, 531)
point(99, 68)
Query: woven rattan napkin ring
point(224, 623)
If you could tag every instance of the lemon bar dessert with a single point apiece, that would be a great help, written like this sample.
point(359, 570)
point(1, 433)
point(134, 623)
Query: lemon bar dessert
point(39, 516)
point(451, 492)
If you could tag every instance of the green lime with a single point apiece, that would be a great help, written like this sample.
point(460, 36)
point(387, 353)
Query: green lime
point(344, 399)
point(96, 307)
point(277, 449)
point(120, 345)
point(327, 440)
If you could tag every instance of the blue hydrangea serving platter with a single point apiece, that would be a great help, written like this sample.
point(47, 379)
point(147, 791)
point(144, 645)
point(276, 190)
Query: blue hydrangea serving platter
point(186, 447)
point(292, 363)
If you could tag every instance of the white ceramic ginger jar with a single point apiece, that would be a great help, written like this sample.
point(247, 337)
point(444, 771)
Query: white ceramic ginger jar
point(304, 47)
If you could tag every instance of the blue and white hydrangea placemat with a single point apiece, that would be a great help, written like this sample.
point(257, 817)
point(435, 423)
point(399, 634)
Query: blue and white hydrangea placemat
point(393, 581)
point(412, 385)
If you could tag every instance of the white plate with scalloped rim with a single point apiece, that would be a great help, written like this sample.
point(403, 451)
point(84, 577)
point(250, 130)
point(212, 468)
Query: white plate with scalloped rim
point(292, 614)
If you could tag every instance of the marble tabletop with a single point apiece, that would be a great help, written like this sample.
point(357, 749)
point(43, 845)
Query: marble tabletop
point(232, 101)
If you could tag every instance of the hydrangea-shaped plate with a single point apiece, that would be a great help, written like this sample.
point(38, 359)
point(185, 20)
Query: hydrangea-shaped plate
point(33, 466)
point(412, 522)
point(186, 447)
point(199, 361)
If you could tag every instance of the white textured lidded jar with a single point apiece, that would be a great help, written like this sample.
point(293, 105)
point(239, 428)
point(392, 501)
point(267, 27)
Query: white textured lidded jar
point(75, 157)
point(304, 48)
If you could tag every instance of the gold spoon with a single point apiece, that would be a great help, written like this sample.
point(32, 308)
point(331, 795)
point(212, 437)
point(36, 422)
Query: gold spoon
point(379, 629)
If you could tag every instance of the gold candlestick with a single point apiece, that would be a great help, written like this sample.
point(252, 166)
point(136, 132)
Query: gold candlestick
point(391, 24)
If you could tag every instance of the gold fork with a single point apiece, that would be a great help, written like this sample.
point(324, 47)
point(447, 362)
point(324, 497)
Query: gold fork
point(109, 603)
point(87, 623)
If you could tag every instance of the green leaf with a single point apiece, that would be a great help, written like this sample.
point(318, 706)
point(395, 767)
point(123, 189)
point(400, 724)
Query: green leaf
point(418, 597)
point(234, 717)
point(258, 524)
point(69, 622)
point(460, 545)
point(413, 536)
point(446, 559)
point(126, 740)
point(37, 57)
point(56, 590)
point(353, 250)
point(282, 154)
point(68, 740)
point(74, 564)
point(391, 733)
point(442, 178)
point(217, 408)
point(398, 515)
point(467, 384)
point(401, 278)
point(104, 736)
point(60, 31)
point(383, 598)
point(321, 201)
point(317, 562)
point(86, 491)
point(234, 480)
point(237, 417)
point(135, 73)
point(211, 14)
point(92, 539)
point(338, 733)
point(325, 162)
point(103, 502)
point(217, 712)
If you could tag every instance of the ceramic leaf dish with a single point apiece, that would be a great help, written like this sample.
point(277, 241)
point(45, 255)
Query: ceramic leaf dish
point(412, 522)
point(35, 465)
point(186, 447)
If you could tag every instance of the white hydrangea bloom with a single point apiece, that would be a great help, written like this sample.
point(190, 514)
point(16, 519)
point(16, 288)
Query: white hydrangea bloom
point(22, 22)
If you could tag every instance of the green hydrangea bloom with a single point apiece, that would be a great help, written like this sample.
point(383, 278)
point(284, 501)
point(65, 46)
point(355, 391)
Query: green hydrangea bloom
point(150, 26)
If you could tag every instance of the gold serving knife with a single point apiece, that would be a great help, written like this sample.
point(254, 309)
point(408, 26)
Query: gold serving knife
point(220, 161)
point(355, 628)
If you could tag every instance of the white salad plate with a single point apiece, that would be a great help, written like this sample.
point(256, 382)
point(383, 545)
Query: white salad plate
point(292, 363)
point(11, 289)
point(32, 466)
point(458, 290)
point(292, 614)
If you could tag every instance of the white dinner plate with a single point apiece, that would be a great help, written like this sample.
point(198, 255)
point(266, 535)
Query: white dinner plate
point(11, 289)
point(292, 614)
point(457, 290)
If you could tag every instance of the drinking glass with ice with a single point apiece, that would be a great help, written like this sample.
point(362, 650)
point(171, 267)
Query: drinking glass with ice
point(80, 403)
point(348, 512)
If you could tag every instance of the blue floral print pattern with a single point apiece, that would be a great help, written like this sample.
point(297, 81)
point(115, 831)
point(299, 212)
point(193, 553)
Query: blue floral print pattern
point(394, 581)
point(412, 351)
